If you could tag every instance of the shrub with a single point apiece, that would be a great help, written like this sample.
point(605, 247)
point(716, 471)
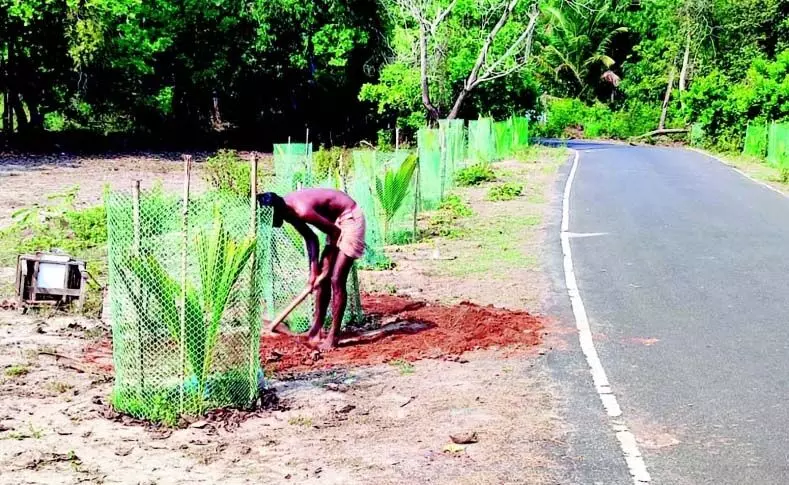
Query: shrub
point(331, 162)
point(227, 171)
point(504, 192)
point(475, 175)
point(444, 222)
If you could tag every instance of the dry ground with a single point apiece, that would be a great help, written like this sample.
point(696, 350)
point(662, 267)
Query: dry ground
point(384, 424)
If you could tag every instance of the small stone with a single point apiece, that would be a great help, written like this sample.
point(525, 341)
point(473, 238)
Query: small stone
point(199, 424)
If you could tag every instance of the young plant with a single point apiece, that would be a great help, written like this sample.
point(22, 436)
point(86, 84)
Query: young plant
point(505, 192)
point(221, 261)
point(475, 175)
point(393, 188)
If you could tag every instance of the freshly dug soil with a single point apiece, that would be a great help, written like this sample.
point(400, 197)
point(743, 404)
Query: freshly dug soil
point(417, 330)
point(401, 329)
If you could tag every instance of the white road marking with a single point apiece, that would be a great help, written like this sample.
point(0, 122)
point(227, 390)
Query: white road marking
point(763, 184)
point(627, 441)
point(586, 234)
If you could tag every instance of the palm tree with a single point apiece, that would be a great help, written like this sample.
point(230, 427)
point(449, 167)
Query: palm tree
point(577, 46)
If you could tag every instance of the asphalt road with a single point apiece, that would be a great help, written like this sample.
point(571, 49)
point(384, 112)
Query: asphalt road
point(683, 266)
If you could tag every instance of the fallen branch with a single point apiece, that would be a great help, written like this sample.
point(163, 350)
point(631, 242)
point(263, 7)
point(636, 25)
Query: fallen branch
point(664, 131)
point(71, 363)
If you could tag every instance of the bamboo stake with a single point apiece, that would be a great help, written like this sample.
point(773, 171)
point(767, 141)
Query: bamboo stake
point(252, 310)
point(185, 236)
point(138, 289)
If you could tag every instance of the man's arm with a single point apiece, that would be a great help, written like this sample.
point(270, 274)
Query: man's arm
point(312, 247)
point(329, 227)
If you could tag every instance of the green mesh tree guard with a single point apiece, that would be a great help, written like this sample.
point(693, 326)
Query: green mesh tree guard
point(173, 358)
point(756, 140)
point(778, 145)
point(388, 221)
point(453, 151)
point(293, 162)
point(430, 167)
point(696, 134)
point(481, 141)
point(502, 131)
point(520, 132)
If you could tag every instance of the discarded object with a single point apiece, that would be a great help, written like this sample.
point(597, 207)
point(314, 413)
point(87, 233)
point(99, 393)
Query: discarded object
point(453, 448)
point(464, 438)
point(50, 279)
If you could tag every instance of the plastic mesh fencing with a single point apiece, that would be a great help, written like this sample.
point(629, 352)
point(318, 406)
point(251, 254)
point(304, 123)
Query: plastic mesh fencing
point(185, 299)
point(430, 167)
point(756, 140)
point(696, 134)
point(520, 132)
point(778, 145)
point(453, 151)
point(502, 131)
point(293, 165)
point(481, 141)
point(385, 187)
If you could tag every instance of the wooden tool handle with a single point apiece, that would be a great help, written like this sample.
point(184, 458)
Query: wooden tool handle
point(296, 301)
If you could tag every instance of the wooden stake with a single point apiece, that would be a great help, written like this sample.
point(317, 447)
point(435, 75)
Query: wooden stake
point(138, 289)
point(397, 139)
point(254, 328)
point(185, 240)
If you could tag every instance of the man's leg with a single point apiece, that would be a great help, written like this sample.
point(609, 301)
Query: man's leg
point(322, 296)
point(339, 279)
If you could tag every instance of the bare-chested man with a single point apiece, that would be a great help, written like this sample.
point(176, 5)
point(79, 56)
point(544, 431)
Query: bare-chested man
point(337, 215)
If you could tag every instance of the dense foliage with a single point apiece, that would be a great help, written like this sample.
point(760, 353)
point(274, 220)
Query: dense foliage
point(262, 70)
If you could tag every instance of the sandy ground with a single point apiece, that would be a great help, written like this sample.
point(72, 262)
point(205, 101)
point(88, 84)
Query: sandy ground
point(27, 181)
point(382, 424)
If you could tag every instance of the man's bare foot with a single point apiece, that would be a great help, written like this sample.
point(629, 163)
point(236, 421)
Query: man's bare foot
point(329, 343)
point(313, 341)
point(282, 329)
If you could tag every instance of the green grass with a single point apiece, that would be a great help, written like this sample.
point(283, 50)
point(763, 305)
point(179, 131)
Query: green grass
point(404, 367)
point(475, 175)
point(505, 192)
point(758, 169)
point(17, 371)
point(302, 421)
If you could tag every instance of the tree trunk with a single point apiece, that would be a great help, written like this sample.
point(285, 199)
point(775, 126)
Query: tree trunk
point(458, 102)
point(19, 110)
point(666, 98)
point(432, 111)
point(683, 73)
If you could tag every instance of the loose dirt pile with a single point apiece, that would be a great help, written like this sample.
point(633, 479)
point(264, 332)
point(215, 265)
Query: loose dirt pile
point(410, 330)
point(401, 329)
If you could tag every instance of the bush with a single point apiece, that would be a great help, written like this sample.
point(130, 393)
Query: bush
point(444, 222)
point(328, 162)
point(228, 172)
point(505, 192)
point(475, 175)
point(598, 120)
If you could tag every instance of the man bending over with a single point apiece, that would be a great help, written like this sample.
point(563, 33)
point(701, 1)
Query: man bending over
point(337, 215)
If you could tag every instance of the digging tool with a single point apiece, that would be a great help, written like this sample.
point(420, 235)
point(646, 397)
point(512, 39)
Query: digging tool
point(293, 304)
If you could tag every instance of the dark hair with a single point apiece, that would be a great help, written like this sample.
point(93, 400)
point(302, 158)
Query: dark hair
point(270, 199)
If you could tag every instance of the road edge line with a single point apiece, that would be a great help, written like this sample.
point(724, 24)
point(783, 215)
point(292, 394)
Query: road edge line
point(627, 441)
point(724, 162)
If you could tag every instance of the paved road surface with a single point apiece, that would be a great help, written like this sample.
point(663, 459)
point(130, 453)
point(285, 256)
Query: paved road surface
point(687, 292)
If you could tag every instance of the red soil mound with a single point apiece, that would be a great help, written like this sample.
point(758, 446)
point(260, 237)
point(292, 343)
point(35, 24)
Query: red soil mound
point(417, 330)
point(407, 329)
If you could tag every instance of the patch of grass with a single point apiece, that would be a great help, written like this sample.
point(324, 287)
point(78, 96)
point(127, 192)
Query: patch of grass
point(443, 223)
point(505, 192)
point(475, 175)
point(17, 371)
point(32, 432)
point(59, 224)
point(303, 421)
point(404, 367)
